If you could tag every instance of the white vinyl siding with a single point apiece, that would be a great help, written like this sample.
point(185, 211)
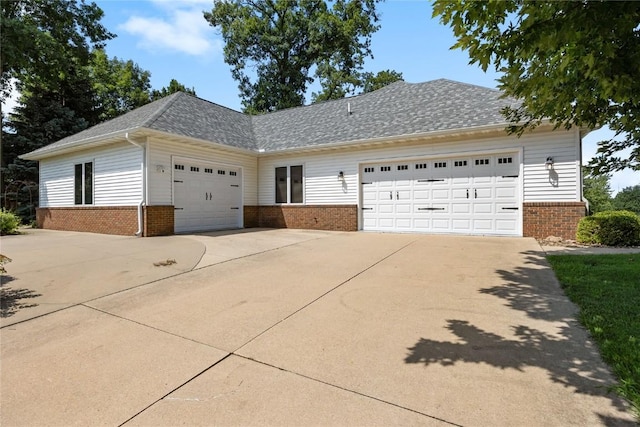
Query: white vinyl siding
point(322, 185)
point(562, 183)
point(117, 177)
point(160, 163)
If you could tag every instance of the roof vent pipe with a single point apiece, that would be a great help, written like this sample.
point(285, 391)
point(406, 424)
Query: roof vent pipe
point(349, 108)
point(142, 171)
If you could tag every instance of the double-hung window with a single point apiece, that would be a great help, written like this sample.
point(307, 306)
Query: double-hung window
point(289, 184)
point(83, 183)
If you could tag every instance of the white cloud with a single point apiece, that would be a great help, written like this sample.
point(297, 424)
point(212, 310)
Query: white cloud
point(178, 26)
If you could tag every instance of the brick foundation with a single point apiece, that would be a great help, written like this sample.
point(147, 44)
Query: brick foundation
point(251, 216)
point(312, 217)
point(158, 221)
point(544, 219)
point(121, 220)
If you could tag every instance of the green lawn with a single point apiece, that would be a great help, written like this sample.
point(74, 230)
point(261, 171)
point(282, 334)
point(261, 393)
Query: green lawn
point(607, 290)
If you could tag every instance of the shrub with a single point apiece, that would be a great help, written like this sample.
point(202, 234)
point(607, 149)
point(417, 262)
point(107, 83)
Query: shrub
point(611, 228)
point(9, 222)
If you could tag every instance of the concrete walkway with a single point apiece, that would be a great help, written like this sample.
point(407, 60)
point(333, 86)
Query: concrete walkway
point(286, 327)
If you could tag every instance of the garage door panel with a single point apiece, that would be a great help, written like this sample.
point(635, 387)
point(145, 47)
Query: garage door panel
point(504, 192)
point(404, 208)
point(441, 224)
point(421, 195)
point(459, 225)
point(460, 193)
point(461, 208)
point(483, 208)
point(456, 195)
point(440, 194)
point(385, 209)
point(206, 196)
point(483, 225)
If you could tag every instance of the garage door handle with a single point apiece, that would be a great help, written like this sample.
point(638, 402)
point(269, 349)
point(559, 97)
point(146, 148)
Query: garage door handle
point(175, 180)
point(235, 208)
point(178, 209)
point(467, 193)
point(475, 193)
point(431, 209)
point(430, 180)
point(509, 176)
point(235, 185)
point(367, 209)
point(390, 195)
point(511, 209)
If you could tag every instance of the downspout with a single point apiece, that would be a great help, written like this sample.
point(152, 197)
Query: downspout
point(143, 170)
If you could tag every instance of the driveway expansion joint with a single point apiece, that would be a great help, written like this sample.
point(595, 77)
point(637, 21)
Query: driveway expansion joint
point(174, 390)
point(348, 390)
point(150, 327)
point(326, 293)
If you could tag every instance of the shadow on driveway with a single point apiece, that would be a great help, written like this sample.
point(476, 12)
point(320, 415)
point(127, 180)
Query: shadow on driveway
point(568, 356)
point(11, 299)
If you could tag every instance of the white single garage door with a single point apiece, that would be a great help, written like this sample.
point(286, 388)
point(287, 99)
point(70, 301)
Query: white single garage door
point(206, 196)
point(466, 195)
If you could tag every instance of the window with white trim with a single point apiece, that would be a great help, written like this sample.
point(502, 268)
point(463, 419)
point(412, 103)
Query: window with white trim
point(289, 184)
point(83, 183)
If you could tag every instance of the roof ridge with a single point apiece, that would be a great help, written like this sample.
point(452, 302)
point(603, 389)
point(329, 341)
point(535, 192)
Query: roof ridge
point(156, 115)
point(329, 101)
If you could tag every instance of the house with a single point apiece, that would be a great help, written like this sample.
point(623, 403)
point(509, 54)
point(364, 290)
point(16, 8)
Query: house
point(430, 157)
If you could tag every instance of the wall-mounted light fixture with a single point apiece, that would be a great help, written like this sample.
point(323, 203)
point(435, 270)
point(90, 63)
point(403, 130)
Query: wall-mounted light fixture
point(548, 164)
point(340, 175)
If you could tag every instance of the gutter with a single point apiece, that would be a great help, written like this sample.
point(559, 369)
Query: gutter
point(143, 170)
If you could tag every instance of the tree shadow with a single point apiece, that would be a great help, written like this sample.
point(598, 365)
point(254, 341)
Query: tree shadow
point(567, 355)
point(11, 300)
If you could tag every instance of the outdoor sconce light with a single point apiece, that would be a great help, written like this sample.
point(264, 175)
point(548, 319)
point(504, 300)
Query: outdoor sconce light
point(340, 175)
point(549, 163)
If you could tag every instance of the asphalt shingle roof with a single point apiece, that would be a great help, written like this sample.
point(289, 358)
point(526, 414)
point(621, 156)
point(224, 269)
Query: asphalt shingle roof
point(396, 110)
point(400, 109)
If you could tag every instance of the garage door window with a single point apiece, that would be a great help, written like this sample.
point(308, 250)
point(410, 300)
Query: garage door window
point(289, 184)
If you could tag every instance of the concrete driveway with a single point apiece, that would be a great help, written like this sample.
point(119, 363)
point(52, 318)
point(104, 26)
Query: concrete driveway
point(290, 327)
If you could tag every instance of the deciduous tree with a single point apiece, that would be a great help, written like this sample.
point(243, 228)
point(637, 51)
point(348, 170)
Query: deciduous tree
point(174, 86)
point(41, 37)
point(273, 46)
point(575, 63)
point(628, 199)
point(597, 190)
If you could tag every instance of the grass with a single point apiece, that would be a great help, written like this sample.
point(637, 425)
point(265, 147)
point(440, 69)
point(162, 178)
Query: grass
point(606, 288)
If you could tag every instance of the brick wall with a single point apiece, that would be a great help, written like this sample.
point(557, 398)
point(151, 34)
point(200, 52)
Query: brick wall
point(158, 220)
point(313, 217)
point(251, 216)
point(122, 220)
point(544, 219)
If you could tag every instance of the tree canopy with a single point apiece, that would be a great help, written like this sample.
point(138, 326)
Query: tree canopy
point(41, 38)
point(288, 43)
point(628, 199)
point(574, 63)
point(53, 49)
point(597, 190)
point(174, 86)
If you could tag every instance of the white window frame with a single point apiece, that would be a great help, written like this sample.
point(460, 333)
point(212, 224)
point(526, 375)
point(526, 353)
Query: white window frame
point(275, 190)
point(83, 195)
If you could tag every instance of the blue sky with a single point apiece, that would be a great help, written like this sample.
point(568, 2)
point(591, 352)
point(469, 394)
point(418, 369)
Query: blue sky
point(171, 39)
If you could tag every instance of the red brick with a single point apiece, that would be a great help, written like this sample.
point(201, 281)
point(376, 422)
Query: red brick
point(544, 219)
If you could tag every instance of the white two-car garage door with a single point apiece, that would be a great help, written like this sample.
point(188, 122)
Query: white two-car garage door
point(206, 196)
point(466, 195)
